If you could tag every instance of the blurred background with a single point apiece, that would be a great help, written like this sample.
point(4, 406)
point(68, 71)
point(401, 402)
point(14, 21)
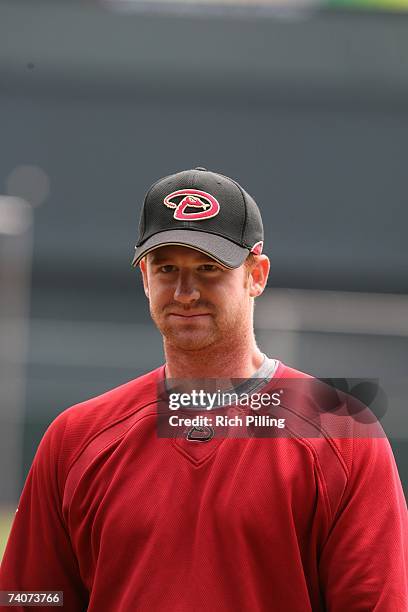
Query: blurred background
point(304, 103)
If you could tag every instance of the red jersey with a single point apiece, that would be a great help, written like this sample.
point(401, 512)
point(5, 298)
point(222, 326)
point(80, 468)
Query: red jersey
point(122, 520)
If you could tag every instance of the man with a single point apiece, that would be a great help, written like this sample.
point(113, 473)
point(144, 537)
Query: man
point(120, 518)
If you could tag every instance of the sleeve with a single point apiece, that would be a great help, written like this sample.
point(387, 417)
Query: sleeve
point(364, 561)
point(39, 555)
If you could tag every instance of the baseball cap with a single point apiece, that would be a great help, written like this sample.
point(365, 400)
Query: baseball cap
point(203, 210)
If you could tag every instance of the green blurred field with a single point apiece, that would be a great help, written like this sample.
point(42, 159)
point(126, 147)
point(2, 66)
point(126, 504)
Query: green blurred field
point(6, 517)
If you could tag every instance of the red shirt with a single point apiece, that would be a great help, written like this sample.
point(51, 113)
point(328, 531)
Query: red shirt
point(122, 520)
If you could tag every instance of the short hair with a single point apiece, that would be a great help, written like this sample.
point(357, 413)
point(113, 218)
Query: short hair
point(250, 260)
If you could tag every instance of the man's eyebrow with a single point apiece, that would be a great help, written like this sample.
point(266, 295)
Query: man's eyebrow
point(156, 258)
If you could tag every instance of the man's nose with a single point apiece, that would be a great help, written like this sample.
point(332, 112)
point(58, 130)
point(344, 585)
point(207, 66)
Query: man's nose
point(186, 290)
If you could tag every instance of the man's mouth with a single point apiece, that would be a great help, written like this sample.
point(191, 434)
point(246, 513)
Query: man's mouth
point(189, 315)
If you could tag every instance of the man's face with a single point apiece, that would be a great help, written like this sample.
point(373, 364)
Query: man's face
point(195, 301)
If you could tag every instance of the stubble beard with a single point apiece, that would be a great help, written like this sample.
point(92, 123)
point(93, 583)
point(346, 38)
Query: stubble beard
point(195, 337)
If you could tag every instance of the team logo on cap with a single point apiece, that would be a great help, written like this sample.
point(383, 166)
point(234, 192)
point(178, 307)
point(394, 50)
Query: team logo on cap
point(186, 200)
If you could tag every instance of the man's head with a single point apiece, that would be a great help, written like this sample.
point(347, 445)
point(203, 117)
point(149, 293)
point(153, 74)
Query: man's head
point(199, 249)
point(196, 302)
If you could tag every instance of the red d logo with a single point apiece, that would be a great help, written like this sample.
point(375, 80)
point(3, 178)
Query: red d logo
point(192, 199)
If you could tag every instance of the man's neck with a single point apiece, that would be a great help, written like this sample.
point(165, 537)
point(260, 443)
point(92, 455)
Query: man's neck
point(212, 362)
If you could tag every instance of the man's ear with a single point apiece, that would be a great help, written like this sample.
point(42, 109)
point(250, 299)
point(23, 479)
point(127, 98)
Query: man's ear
point(143, 270)
point(258, 275)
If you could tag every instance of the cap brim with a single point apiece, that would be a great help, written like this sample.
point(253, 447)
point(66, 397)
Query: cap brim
point(224, 251)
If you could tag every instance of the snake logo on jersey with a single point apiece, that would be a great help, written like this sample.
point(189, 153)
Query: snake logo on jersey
point(187, 203)
point(200, 434)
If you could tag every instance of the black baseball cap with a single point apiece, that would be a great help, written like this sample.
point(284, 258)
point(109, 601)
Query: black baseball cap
point(202, 210)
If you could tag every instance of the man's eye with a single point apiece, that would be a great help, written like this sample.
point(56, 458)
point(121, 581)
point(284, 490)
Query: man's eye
point(209, 268)
point(166, 269)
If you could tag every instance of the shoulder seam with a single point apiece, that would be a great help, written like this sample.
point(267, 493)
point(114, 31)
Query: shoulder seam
point(326, 435)
point(83, 460)
point(105, 428)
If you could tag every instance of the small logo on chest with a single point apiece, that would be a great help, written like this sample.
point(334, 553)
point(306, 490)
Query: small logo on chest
point(200, 434)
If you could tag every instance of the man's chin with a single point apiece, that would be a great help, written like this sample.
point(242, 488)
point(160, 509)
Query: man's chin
point(189, 341)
